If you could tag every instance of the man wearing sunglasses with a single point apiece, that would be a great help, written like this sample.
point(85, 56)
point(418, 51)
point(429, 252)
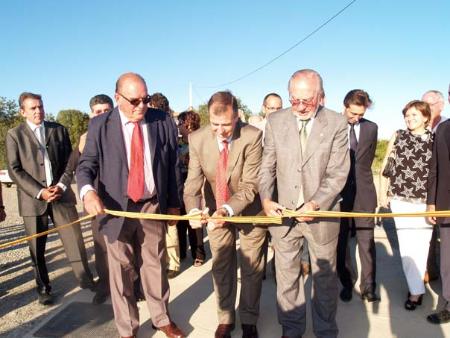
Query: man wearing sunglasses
point(306, 157)
point(133, 151)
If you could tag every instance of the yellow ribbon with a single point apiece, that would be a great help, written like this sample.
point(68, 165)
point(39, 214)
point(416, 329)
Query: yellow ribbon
point(237, 219)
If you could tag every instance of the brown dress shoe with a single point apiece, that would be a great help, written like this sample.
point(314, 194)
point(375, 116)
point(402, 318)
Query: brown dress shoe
point(171, 331)
point(224, 331)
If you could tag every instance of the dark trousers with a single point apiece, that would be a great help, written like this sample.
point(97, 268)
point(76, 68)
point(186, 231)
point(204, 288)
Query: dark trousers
point(195, 240)
point(141, 242)
point(71, 238)
point(101, 258)
point(432, 262)
point(445, 262)
point(367, 254)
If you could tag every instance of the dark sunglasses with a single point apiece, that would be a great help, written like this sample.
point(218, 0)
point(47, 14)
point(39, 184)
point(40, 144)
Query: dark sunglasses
point(136, 102)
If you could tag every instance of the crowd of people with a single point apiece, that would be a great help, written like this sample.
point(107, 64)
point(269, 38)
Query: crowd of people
point(137, 157)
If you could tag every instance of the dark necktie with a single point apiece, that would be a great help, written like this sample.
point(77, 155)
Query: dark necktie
point(353, 146)
point(136, 172)
point(222, 191)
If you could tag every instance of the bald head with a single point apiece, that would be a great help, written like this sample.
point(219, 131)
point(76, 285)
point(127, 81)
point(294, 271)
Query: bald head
point(128, 78)
point(132, 96)
point(307, 75)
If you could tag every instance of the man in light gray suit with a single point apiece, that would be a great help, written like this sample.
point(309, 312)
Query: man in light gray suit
point(306, 154)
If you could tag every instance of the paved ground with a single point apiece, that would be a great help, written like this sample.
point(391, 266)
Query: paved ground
point(192, 300)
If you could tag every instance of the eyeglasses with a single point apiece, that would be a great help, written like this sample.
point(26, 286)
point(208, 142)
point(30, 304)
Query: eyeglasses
point(137, 102)
point(307, 103)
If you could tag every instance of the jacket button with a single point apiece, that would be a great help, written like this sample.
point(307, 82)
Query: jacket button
point(299, 170)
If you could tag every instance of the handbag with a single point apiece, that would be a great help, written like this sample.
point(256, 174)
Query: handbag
point(389, 168)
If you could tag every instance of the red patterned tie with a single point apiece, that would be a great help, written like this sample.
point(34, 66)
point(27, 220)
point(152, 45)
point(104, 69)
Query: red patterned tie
point(136, 172)
point(222, 192)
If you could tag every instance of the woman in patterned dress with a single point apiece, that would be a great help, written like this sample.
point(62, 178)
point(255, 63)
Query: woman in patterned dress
point(406, 191)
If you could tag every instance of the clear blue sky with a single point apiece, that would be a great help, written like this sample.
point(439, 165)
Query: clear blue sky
point(71, 50)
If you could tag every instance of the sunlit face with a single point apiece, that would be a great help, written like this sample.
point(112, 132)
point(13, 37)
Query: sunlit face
point(273, 103)
point(132, 88)
point(415, 120)
point(354, 113)
point(100, 108)
point(435, 103)
point(33, 110)
point(222, 124)
point(304, 96)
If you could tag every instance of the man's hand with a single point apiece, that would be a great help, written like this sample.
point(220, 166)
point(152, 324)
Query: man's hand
point(216, 223)
point(309, 206)
point(173, 211)
point(431, 219)
point(272, 208)
point(49, 194)
point(57, 192)
point(93, 204)
point(204, 215)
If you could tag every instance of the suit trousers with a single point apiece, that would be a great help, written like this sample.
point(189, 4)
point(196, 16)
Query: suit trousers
point(71, 238)
point(101, 258)
point(224, 270)
point(141, 241)
point(444, 262)
point(173, 248)
point(291, 303)
point(367, 255)
point(195, 237)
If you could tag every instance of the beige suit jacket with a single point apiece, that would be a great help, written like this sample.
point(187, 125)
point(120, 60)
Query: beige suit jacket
point(244, 161)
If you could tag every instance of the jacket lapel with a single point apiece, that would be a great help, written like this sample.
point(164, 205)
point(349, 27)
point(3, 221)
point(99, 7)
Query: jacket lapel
point(361, 138)
point(48, 132)
point(29, 133)
point(315, 137)
point(152, 130)
point(115, 128)
point(235, 149)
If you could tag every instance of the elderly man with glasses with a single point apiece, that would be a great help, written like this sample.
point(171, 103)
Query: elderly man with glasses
point(306, 157)
point(132, 151)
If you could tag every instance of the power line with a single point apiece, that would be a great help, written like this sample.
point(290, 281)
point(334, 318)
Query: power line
point(287, 50)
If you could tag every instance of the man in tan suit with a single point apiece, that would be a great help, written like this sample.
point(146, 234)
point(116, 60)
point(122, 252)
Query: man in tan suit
point(225, 156)
point(306, 157)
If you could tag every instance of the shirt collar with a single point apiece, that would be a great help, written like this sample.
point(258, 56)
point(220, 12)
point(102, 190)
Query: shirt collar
point(34, 126)
point(125, 120)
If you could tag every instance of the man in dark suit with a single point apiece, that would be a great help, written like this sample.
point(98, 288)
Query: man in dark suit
point(358, 195)
point(37, 153)
point(224, 160)
point(438, 198)
point(132, 151)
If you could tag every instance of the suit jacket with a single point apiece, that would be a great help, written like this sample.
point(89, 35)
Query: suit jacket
point(321, 173)
point(104, 155)
point(439, 176)
point(244, 160)
point(359, 192)
point(26, 165)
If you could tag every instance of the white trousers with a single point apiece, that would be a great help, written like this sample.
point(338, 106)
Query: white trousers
point(414, 235)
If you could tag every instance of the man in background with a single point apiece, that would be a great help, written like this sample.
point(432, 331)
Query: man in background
point(37, 153)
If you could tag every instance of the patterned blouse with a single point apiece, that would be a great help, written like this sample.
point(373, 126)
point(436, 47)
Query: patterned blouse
point(412, 165)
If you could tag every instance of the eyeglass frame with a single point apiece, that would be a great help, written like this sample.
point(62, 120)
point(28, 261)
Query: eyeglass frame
point(297, 102)
point(137, 102)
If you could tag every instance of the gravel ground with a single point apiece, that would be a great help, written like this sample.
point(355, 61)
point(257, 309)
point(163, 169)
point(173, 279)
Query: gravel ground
point(19, 308)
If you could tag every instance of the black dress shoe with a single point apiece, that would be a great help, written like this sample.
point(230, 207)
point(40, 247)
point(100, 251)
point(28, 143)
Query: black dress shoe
point(45, 297)
point(370, 296)
point(411, 305)
point(100, 297)
point(346, 294)
point(441, 317)
point(88, 284)
point(249, 331)
point(224, 331)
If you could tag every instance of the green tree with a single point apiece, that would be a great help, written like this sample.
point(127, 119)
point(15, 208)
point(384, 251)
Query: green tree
point(203, 112)
point(75, 121)
point(9, 118)
point(379, 156)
